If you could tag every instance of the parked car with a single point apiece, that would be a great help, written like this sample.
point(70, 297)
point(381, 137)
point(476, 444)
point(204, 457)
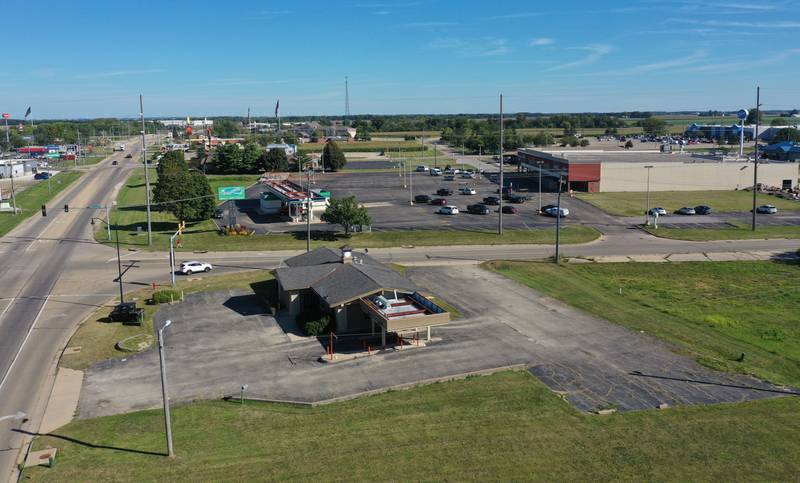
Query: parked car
point(491, 200)
point(767, 209)
point(422, 199)
point(478, 209)
point(449, 177)
point(448, 210)
point(188, 268)
point(703, 210)
point(114, 163)
point(467, 175)
point(517, 199)
point(129, 156)
point(439, 202)
point(509, 210)
point(127, 313)
point(422, 169)
point(657, 211)
point(686, 210)
point(555, 211)
point(468, 190)
point(42, 175)
point(444, 192)
point(218, 213)
point(435, 172)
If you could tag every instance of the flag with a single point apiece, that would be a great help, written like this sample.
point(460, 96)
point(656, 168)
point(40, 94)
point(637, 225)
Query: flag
point(28, 112)
point(277, 106)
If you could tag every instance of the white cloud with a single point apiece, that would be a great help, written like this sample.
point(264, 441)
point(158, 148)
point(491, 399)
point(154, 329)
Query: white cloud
point(117, 73)
point(490, 47)
point(541, 41)
point(744, 63)
point(509, 16)
point(778, 24)
point(596, 52)
point(694, 58)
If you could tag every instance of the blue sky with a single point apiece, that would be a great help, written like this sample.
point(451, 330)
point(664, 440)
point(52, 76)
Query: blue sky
point(92, 59)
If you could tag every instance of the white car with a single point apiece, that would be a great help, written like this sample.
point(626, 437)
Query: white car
point(553, 211)
point(448, 210)
point(435, 172)
point(422, 169)
point(767, 209)
point(468, 190)
point(468, 175)
point(188, 268)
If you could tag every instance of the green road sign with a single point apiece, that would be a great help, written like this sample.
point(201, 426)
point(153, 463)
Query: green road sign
point(96, 207)
point(230, 193)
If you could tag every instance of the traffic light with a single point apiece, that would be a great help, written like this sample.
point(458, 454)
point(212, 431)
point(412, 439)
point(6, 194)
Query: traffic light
point(44, 210)
point(66, 208)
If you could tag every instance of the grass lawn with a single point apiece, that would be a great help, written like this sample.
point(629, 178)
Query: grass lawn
point(246, 180)
point(504, 427)
point(204, 236)
point(634, 203)
point(714, 311)
point(739, 232)
point(31, 200)
point(400, 134)
point(363, 146)
point(97, 337)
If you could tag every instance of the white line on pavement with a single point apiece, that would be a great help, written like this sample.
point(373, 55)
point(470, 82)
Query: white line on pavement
point(16, 356)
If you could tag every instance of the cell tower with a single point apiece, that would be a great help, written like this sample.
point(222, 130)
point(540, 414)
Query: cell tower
point(346, 101)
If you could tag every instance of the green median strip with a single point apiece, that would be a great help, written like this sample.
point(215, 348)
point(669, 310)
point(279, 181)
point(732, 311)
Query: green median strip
point(735, 232)
point(30, 200)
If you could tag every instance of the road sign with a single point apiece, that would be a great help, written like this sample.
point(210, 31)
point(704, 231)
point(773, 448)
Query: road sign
point(742, 114)
point(225, 193)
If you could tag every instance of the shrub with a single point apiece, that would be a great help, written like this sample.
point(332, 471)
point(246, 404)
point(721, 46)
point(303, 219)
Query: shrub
point(313, 322)
point(165, 296)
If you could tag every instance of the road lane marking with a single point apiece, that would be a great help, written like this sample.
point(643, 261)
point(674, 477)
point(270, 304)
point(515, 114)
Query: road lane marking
point(22, 346)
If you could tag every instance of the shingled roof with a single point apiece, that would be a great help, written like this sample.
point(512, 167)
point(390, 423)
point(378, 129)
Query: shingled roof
point(335, 282)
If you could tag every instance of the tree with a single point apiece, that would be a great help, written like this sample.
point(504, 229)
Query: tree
point(274, 160)
point(333, 158)
point(780, 121)
point(346, 212)
point(362, 134)
point(654, 126)
point(228, 159)
point(569, 141)
point(584, 142)
point(629, 144)
point(543, 139)
point(751, 117)
point(251, 156)
point(787, 134)
point(226, 128)
point(197, 200)
point(172, 161)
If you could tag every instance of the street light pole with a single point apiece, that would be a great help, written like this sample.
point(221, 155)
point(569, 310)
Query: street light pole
point(540, 184)
point(755, 159)
point(308, 210)
point(558, 223)
point(647, 209)
point(500, 210)
point(164, 395)
point(146, 174)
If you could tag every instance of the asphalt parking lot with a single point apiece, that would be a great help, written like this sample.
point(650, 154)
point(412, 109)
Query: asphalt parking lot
point(219, 341)
point(387, 197)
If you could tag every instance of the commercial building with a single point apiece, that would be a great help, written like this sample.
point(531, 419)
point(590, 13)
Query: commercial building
point(785, 151)
point(289, 149)
point(732, 132)
point(358, 292)
point(611, 171)
point(285, 198)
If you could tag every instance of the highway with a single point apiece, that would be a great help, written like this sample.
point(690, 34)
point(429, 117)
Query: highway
point(54, 274)
point(45, 294)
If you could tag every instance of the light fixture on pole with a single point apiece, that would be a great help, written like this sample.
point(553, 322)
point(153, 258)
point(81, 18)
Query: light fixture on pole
point(164, 392)
point(647, 209)
point(558, 222)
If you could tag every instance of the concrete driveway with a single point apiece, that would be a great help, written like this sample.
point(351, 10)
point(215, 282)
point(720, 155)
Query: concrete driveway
point(221, 340)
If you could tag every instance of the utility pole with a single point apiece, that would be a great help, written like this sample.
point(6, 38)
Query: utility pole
point(164, 395)
point(146, 174)
point(500, 210)
point(755, 159)
point(647, 210)
point(558, 222)
point(410, 186)
point(540, 162)
point(308, 209)
point(13, 196)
